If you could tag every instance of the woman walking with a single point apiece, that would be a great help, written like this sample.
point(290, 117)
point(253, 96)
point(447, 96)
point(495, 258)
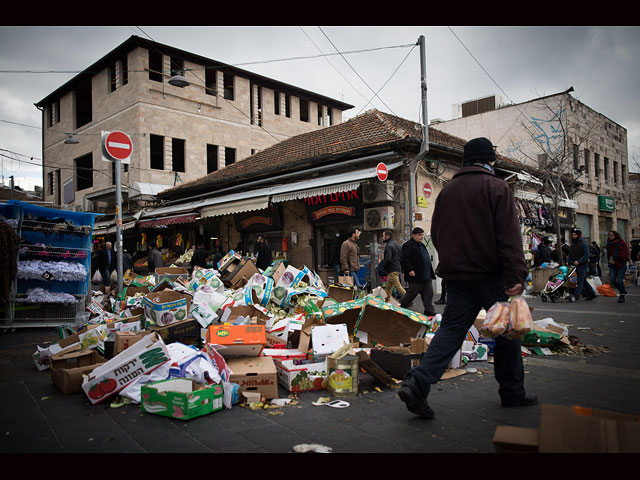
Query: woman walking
point(618, 257)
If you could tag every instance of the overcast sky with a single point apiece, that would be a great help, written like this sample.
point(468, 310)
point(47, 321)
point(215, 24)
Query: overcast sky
point(462, 63)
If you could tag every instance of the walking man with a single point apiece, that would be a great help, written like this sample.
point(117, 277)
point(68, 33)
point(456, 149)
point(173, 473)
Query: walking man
point(476, 232)
point(392, 259)
point(579, 258)
point(417, 271)
point(350, 256)
point(106, 264)
point(618, 254)
point(263, 254)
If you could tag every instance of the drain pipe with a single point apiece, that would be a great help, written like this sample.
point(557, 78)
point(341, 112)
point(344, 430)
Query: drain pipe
point(424, 148)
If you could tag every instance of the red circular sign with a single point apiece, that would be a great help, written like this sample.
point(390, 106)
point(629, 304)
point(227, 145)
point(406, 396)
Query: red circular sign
point(427, 190)
point(118, 145)
point(382, 172)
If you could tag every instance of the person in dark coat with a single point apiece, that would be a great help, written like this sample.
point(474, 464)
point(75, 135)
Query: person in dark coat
point(618, 254)
point(476, 232)
point(594, 260)
point(392, 264)
point(334, 258)
point(417, 271)
point(106, 263)
point(127, 261)
point(579, 258)
point(543, 254)
point(155, 258)
point(199, 258)
point(263, 254)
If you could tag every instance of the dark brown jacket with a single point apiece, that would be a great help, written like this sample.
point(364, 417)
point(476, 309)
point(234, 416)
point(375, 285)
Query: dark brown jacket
point(476, 231)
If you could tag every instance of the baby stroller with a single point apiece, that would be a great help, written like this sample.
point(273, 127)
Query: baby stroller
point(558, 285)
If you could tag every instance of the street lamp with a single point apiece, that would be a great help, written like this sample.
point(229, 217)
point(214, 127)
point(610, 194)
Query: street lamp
point(179, 80)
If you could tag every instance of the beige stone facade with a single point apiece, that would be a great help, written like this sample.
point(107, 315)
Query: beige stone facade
point(597, 154)
point(143, 107)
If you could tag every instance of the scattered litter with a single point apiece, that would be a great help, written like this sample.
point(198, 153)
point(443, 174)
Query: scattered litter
point(311, 448)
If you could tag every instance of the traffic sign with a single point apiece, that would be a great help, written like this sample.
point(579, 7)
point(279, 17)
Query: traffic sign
point(382, 172)
point(117, 145)
point(427, 190)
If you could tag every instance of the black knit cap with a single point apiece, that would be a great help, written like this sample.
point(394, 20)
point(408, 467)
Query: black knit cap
point(478, 150)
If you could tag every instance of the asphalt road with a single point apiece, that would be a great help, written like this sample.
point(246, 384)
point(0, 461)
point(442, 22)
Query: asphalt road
point(601, 371)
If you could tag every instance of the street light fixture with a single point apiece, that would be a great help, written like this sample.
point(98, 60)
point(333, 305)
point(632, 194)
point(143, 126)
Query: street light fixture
point(179, 80)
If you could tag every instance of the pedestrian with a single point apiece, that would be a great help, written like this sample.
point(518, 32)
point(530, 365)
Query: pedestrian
point(618, 254)
point(106, 263)
point(155, 258)
point(417, 271)
point(350, 256)
point(635, 251)
point(219, 255)
point(565, 252)
point(579, 258)
point(392, 264)
point(476, 231)
point(543, 254)
point(127, 261)
point(443, 295)
point(263, 253)
point(594, 260)
point(199, 258)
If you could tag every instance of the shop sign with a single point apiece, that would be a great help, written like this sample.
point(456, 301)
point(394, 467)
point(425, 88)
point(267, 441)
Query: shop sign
point(334, 206)
point(258, 221)
point(606, 204)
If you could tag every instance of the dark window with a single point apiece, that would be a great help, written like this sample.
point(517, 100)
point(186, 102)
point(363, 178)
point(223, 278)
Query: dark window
point(320, 120)
point(606, 170)
point(228, 86)
point(177, 66)
point(255, 99)
point(54, 113)
point(212, 158)
point(59, 186)
point(229, 155)
point(156, 154)
point(615, 173)
point(587, 160)
point(83, 103)
point(575, 157)
point(211, 81)
point(84, 172)
point(596, 165)
point(113, 79)
point(50, 184)
point(287, 105)
point(623, 172)
point(276, 103)
point(304, 110)
point(125, 71)
point(155, 66)
point(330, 116)
point(177, 155)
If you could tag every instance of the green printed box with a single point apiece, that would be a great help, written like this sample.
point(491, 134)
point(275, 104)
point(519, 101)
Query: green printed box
point(181, 398)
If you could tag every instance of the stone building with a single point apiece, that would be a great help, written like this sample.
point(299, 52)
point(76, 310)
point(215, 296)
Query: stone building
point(560, 137)
point(179, 133)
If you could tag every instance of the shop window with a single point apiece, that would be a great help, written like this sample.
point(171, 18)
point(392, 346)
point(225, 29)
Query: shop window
point(212, 158)
point(84, 172)
point(83, 103)
point(177, 155)
point(156, 154)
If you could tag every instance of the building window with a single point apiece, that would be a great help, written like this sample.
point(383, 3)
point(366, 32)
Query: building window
point(54, 113)
point(575, 157)
point(596, 165)
point(229, 156)
point(211, 81)
point(83, 103)
point(287, 105)
point(623, 172)
point(84, 172)
point(228, 86)
point(212, 158)
point(320, 117)
point(156, 153)
point(304, 110)
point(276, 102)
point(125, 70)
point(615, 173)
point(155, 66)
point(330, 116)
point(50, 183)
point(606, 170)
point(255, 100)
point(542, 160)
point(587, 160)
point(177, 66)
point(113, 77)
point(177, 155)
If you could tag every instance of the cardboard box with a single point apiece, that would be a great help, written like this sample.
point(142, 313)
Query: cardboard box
point(238, 277)
point(186, 331)
point(508, 439)
point(170, 274)
point(232, 314)
point(373, 369)
point(139, 359)
point(123, 340)
point(255, 375)
point(302, 375)
point(475, 352)
point(396, 361)
point(275, 271)
point(381, 323)
point(166, 307)
point(346, 312)
point(341, 293)
point(281, 354)
point(67, 369)
point(228, 262)
point(237, 340)
point(326, 339)
point(181, 398)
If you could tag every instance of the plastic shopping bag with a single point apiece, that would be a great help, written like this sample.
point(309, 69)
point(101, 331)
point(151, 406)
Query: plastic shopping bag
point(520, 319)
point(496, 321)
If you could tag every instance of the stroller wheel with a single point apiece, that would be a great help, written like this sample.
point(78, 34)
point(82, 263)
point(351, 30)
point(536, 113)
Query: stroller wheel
point(543, 298)
point(554, 299)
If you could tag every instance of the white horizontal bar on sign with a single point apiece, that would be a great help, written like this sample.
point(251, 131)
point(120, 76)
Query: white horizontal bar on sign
point(327, 190)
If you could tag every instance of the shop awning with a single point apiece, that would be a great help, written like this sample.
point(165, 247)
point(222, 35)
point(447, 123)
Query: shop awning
point(146, 190)
point(537, 197)
point(106, 228)
point(228, 208)
point(164, 221)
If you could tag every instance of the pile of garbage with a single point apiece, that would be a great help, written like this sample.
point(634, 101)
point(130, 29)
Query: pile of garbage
point(184, 344)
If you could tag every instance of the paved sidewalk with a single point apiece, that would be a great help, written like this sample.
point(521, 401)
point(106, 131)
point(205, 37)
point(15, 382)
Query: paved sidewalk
point(36, 418)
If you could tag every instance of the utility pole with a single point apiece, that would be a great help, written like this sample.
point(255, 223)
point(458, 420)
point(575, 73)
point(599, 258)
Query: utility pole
point(119, 223)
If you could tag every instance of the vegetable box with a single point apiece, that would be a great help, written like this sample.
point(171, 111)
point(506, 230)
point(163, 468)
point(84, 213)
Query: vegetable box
point(166, 307)
point(181, 398)
point(302, 375)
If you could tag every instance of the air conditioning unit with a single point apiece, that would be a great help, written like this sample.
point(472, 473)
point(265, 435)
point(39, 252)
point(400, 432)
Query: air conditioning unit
point(378, 218)
point(377, 192)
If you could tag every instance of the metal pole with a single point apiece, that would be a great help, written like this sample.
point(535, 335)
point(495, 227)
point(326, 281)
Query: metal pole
point(119, 222)
point(423, 85)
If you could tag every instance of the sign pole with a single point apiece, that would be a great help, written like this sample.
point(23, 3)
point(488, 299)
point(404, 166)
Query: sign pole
point(119, 251)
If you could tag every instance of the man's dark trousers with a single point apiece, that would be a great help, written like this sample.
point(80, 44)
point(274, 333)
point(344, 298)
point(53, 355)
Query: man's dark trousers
point(582, 283)
point(424, 289)
point(464, 301)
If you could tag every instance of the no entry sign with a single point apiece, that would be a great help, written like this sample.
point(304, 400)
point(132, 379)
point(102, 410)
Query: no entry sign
point(427, 190)
point(117, 145)
point(382, 172)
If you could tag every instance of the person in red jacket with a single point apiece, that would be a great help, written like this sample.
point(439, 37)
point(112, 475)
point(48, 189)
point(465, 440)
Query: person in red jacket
point(618, 257)
point(476, 232)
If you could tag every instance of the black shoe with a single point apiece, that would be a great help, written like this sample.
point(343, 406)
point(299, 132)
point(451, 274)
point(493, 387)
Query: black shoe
point(439, 302)
point(621, 299)
point(415, 403)
point(528, 400)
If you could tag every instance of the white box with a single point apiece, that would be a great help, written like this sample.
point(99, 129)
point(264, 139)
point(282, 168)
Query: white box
point(326, 339)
